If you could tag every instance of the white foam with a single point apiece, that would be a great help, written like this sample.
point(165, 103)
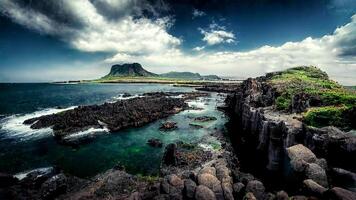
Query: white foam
point(14, 128)
point(88, 132)
point(44, 170)
point(198, 103)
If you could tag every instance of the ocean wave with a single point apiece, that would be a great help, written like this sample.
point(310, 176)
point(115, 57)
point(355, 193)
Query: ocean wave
point(86, 133)
point(13, 127)
point(41, 171)
point(199, 105)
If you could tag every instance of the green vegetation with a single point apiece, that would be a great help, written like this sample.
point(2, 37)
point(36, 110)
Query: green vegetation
point(333, 103)
point(149, 178)
point(326, 116)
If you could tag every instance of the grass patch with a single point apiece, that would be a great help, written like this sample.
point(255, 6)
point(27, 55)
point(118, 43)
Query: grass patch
point(333, 104)
point(328, 116)
point(310, 80)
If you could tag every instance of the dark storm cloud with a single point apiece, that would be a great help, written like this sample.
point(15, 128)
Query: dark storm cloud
point(55, 10)
point(114, 10)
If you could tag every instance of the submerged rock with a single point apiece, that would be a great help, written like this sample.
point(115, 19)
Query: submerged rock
point(168, 126)
point(196, 125)
point(154, 142)
point(204, 119)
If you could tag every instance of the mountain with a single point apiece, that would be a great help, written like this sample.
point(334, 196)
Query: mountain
point(134, 69)
point(189, 75)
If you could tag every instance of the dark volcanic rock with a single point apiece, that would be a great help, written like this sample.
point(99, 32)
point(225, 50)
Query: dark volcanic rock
point(7, 180)
point(204, 119)
point(126, 95)
point(189, 188)
point(114, 116)
point(168, 126)
point(204, 193)
point(343, 178)
point(196, 125)
point(170, 155)
point(257, 188)
point(155, 142)
point(337, 193)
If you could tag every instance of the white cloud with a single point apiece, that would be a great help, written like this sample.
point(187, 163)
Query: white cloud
point(199, 48)
point(96, 31)
point(217, 34)
point(333, 53)
point(198, 13)
point(139, 39)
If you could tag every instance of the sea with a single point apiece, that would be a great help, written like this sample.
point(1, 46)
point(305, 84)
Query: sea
point(23, 149)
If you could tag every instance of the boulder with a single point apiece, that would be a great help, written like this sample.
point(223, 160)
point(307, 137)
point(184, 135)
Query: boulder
point(301, 152)
point(343, 178)
point(257, 188)
point(312, 188)
point(282, 195)
point(204, 193)
point(337, 193)
point(172, 185)
point(212, 183)
point(239, 190)
point(227, 190)
point(175, 181)
point(208, 170)
point(249, 196)
point(317, 174)
point(189, 189)
point(208, 180)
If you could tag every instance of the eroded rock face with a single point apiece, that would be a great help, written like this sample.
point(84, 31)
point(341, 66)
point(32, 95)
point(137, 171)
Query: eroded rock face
point(263, 136)
point(154, 142)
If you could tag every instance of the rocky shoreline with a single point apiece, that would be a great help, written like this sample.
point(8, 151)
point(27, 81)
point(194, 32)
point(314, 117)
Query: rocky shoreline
point(134, 112)
point(264, 154)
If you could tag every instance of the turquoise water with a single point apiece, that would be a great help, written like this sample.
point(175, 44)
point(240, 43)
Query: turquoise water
point(24, 149)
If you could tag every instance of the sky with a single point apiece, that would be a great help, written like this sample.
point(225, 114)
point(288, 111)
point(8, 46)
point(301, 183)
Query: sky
point(53, 40)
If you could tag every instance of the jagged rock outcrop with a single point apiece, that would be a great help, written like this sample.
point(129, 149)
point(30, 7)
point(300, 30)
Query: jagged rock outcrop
point(122, 114)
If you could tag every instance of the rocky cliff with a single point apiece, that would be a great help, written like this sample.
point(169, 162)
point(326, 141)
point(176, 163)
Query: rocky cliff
point(270, 116)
